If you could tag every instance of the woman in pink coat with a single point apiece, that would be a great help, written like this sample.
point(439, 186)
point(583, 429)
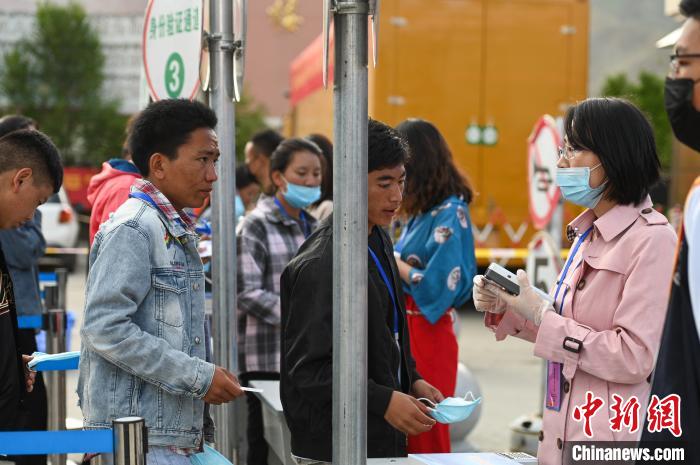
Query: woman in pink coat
point(601, 334)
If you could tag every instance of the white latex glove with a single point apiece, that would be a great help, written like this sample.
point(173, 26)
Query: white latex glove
point(486, 299)
point(529, 303)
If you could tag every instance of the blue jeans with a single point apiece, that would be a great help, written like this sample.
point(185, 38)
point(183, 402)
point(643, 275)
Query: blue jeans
point(157, 455)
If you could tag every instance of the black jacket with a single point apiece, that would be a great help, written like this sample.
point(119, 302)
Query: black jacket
point(678, 365)
point(11, 369)
point(306, 355)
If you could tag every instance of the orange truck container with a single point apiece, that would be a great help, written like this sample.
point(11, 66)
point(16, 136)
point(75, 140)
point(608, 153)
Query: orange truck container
point(494, 66)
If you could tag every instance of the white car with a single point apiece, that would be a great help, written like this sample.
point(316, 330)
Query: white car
point(59, 224)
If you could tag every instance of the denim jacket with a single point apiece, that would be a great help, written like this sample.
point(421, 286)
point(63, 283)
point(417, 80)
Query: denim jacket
point(143, 342)
point(23, 248)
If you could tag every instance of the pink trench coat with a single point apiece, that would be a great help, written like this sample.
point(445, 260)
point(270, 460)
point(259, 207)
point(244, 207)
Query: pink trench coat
point(616, 307)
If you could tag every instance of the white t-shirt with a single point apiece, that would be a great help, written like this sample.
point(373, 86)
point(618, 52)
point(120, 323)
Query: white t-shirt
point(691, 222)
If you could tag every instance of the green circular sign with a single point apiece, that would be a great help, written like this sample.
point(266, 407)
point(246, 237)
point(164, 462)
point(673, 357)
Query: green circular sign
point(174, 75)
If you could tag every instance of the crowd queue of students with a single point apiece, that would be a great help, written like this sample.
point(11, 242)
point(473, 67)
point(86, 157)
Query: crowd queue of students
point(607, 331)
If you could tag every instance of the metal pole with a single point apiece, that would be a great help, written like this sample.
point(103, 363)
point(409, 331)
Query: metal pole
point(130, 441)
point(55, 380)
point(62, 283)
point(350, 234)
point(224, 324)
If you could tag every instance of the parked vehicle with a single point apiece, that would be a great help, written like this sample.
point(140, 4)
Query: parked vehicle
point(59, 224)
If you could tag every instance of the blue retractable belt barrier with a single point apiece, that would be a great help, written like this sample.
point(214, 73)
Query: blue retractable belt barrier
point(56, 442)
point(45, 276)
point(29, 321)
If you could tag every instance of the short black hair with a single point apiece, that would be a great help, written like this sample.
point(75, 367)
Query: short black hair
point(326, 147)
point(690, 8)
point(283, 154)
point(265, 142)
point(29, 148)
point(385, 147)
point(621, 136)
point(11, 123)
point(163, 126)
point(244, 177)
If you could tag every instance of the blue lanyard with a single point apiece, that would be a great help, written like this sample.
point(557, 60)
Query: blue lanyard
point(390, 288)
point(566, 269)
point(305, 225)
point(144, 197)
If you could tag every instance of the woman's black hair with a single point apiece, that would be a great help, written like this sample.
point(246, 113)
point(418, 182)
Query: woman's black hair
point(326, 147)
point(284, 153)
point(431, 175)
point(621, 136)
point(690, 8)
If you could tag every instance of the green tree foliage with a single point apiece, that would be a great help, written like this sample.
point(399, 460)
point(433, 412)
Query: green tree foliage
point(648, 95)
point(56, 76)
point(250, 118)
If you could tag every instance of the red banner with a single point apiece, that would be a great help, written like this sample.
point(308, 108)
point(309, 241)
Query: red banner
point(306, 71)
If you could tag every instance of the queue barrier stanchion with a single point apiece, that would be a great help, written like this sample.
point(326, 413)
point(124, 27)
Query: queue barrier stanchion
point(127, 440)
point(56, 380)
point(46, 278)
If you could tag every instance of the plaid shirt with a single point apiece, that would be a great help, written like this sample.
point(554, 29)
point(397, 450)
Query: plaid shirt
point(161, 201)
point(267, 241)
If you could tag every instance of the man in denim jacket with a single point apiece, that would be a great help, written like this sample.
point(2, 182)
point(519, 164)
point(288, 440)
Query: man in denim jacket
point(143, 343)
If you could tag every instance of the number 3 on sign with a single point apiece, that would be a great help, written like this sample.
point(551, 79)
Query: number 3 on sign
point(174, 75)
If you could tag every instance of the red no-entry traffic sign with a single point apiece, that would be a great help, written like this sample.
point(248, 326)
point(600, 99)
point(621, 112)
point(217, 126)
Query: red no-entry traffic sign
point(542, 161)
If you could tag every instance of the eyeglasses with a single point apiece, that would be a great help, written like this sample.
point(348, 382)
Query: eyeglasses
point(674, 58)
point(568, 152)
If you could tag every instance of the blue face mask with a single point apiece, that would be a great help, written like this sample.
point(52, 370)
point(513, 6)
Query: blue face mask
point(209, 457)
point(240, 208)
point(301, 196)
point(453, 409)
point(575, 186)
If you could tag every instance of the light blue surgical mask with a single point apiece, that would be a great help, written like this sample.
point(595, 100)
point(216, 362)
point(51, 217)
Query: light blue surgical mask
point(210, 456)
point(301, 196)
point(240, 208)
point(453, 409)
point(575, 186)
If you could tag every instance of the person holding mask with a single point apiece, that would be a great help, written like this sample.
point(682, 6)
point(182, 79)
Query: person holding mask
point(435, 258)
point(23, 247)
point(393, 383)
point(268, 238)
point(678, 365)
point(602, 332)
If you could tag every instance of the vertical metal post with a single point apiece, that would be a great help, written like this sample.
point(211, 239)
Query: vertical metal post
point(350, 234)
point(224, 323)
point(62, 283)
point(55, 380)
point(130, 441)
